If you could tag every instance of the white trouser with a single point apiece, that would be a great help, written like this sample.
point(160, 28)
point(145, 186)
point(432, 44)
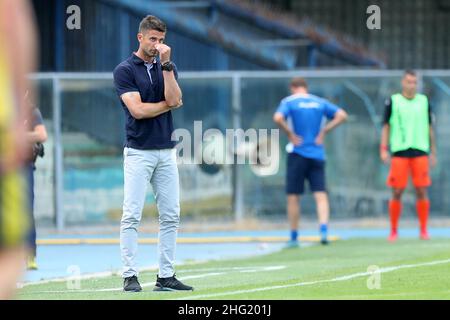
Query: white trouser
point(158, 167)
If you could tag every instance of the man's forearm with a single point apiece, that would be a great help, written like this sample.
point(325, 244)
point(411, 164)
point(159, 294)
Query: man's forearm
point(432, 141)
point(172, 91)
point(385, 136)
point(334, 123)
point(284, 126)
point(151, 110)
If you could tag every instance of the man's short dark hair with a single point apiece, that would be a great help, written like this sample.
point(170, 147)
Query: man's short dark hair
point(152, 23)
point(410, 72)
point(299, 82)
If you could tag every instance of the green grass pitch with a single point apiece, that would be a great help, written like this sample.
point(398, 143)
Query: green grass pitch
point(346, 269)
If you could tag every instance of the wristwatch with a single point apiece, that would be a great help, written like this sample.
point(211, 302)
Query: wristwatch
point(167, 66)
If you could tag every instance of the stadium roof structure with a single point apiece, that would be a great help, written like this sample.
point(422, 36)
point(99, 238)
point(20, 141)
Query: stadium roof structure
point(273, 39)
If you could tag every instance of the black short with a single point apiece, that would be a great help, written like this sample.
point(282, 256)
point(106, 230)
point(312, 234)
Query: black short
point(300, 168)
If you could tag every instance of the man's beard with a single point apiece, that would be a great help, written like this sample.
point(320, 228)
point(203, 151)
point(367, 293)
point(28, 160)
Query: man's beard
point(152, 53)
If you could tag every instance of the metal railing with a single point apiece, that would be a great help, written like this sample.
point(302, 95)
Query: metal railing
point(59, 84)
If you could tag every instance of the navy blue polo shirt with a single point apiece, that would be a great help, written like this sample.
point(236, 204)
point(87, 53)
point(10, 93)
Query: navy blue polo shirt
point(134, 75)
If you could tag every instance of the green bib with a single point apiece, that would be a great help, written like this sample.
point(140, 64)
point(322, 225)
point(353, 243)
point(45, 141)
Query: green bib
point(409, 124)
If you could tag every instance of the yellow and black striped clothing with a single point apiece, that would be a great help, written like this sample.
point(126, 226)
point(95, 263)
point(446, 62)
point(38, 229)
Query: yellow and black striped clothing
point(14, 220)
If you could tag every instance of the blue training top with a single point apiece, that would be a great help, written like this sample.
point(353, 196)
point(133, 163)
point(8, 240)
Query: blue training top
point(307, 112)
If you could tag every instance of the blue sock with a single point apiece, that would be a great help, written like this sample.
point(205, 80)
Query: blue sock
point(323, 230)
point(294, 235)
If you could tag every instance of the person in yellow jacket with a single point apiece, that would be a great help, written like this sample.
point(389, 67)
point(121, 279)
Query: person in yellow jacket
point(17, 59)
point(408, 134)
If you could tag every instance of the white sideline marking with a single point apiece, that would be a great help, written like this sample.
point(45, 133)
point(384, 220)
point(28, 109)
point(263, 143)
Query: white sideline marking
point(241, 269)
point(150, 268)
point(144, 285)
point(148, 284)
point(55, 280)
point(341, 278)
point(263, 269)
point(83, 277)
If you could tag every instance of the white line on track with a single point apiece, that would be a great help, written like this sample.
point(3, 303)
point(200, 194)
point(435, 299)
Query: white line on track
point(299, 284)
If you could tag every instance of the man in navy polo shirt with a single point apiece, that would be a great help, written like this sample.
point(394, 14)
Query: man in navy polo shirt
point(147, 85)
point(306, 159)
